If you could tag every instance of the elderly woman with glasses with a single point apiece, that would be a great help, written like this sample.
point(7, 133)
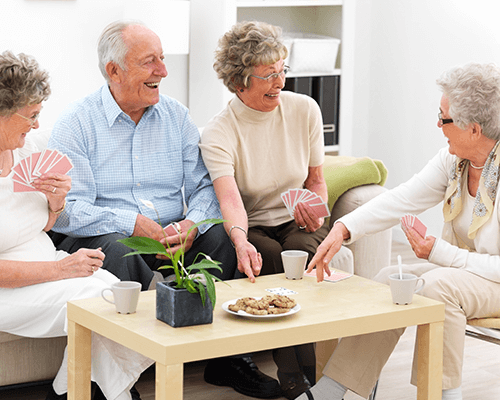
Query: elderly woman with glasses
point(265, 142)
point(463, 268)
point(36, 280)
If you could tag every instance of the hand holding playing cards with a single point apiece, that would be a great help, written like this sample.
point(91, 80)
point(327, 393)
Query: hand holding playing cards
point(174, 241)
point(415, 231)
point(306, 217)
point(55, 186)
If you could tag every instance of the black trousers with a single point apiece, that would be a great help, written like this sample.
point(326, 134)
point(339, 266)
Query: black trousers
point(213, 242)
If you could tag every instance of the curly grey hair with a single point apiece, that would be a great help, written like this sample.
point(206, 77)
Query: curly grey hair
point(473, 93)
point(111, 46)
point(22, 82)
point(245, 46)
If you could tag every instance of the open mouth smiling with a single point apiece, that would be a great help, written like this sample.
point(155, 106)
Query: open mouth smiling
point(152, 85)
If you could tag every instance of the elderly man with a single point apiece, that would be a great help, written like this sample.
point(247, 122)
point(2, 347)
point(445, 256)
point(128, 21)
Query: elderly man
point(128, 143)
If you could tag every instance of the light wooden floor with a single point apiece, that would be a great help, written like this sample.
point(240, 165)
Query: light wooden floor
point(481, 377)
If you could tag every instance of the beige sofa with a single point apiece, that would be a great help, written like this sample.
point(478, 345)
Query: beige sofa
point(25, 360)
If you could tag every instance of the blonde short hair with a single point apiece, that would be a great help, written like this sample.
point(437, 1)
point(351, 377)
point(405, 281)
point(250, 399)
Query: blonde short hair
point(246, 46)
point(22, 82)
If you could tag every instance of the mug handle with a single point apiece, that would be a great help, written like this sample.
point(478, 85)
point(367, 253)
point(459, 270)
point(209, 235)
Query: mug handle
point(419, 289)
point(104, 297)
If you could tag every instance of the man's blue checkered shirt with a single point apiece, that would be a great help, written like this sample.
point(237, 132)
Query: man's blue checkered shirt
point(117, 163)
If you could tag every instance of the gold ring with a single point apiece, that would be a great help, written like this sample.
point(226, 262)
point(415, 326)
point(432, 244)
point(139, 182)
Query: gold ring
point(93, 269)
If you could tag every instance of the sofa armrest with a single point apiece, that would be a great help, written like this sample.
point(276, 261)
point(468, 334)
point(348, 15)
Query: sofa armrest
point(371, 253)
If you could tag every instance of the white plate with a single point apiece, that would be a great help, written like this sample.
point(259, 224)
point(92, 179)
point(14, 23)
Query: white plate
point(245, 314)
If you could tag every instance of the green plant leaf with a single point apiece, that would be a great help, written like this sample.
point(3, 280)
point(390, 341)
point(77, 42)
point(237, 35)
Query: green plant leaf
point(143, 245)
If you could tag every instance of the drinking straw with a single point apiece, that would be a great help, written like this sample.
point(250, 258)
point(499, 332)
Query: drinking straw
point(400, 268)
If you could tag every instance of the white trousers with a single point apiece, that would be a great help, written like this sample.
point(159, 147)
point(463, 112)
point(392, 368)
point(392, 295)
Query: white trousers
point(358, 361)
point(40, 311)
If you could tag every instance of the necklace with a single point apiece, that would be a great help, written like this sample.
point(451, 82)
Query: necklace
point(473, 166)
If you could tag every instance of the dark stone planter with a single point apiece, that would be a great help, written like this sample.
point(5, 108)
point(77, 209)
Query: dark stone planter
point(178, 307)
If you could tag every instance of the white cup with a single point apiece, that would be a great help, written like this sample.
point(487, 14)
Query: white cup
point(125, 295)
point(402, 289)
point(294, 263)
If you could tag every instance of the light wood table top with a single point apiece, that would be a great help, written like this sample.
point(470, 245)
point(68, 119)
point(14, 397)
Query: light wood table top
point(328, 310)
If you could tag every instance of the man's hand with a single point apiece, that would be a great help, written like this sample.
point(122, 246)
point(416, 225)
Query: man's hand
point(177, 240)
point(147, 228)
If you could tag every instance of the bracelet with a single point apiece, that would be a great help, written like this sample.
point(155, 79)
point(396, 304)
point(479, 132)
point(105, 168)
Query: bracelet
point(237, 227)
point(58, 211)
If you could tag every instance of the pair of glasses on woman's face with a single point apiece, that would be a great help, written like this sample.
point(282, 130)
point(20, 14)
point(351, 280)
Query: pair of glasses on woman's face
point(274, 76)
point(443, 121)
point(32, 120)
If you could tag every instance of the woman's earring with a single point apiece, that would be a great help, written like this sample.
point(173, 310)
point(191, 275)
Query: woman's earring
point(241, 90)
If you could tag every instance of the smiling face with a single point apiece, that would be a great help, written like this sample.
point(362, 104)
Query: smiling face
point(13, 129)
point(138, 87)
point(459, 140)
point(264, 95)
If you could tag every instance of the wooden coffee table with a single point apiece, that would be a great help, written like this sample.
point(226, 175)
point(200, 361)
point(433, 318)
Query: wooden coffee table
point(328, 310)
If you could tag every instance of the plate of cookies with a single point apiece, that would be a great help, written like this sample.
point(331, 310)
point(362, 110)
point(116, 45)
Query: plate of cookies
point(271, 306)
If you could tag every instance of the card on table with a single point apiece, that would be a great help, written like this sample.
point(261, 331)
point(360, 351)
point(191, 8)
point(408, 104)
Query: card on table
point(37, 164)
point(281, 291)
point(292, 197)
point(412, 221)
point(335, 275)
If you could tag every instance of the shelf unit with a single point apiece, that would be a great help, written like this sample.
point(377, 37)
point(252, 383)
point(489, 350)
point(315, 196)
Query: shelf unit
point(211, 19)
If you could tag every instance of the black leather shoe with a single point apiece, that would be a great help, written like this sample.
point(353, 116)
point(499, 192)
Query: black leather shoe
point(99, 395)
point(52, 395)
point(243, 376)
point(293, 384)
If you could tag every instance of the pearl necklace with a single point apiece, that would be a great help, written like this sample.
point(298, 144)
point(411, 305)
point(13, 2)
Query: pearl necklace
point(470, 162)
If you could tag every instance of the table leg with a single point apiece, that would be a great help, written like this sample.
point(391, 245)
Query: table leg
point(79, 361)
point(169, 381)
point(324, 351)
point(430, 361)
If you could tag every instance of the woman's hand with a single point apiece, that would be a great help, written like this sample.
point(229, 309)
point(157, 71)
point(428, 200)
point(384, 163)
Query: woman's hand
point(55, 187)
point(82, 263)
point(327, 249)
point(249, 260)
point(422, 247)
point(306, 218)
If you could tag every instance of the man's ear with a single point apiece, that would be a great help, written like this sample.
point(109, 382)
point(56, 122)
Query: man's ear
point(113, 70)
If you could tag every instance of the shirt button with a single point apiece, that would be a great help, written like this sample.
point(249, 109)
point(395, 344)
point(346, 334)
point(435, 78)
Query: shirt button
point(139, 184)
point(125, 233)
point(136, 157)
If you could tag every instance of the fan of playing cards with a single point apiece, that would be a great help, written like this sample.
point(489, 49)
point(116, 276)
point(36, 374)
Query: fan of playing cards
point(294, 196)
point(37, 164)
point(410, 220)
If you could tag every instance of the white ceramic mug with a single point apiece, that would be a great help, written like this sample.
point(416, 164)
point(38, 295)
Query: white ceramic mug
point(294, 263)
point(402, 289)
point(125, 295)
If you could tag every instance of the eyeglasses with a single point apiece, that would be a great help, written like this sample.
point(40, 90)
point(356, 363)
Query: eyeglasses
point(32, 120)
point(444, 121)
point(275, 75)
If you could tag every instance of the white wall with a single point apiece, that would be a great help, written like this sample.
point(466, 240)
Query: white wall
point(62, 35)
point(402, 48)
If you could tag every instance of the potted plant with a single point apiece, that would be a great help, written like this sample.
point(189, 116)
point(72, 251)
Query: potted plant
point(190, 298)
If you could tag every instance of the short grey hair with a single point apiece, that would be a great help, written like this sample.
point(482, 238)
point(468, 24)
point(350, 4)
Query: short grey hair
point(22, 82)
point(473, 92)
point(111, 46)
point(246, 46)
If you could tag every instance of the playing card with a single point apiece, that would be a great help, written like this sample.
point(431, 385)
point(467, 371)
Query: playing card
point(412, 221)
point(294, 196)
point(170, 230)
point(334, 277)
point(35, 165)
point(281, 291)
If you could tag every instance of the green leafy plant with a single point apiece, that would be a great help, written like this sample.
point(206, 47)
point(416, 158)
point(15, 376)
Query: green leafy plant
point(189, 278)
